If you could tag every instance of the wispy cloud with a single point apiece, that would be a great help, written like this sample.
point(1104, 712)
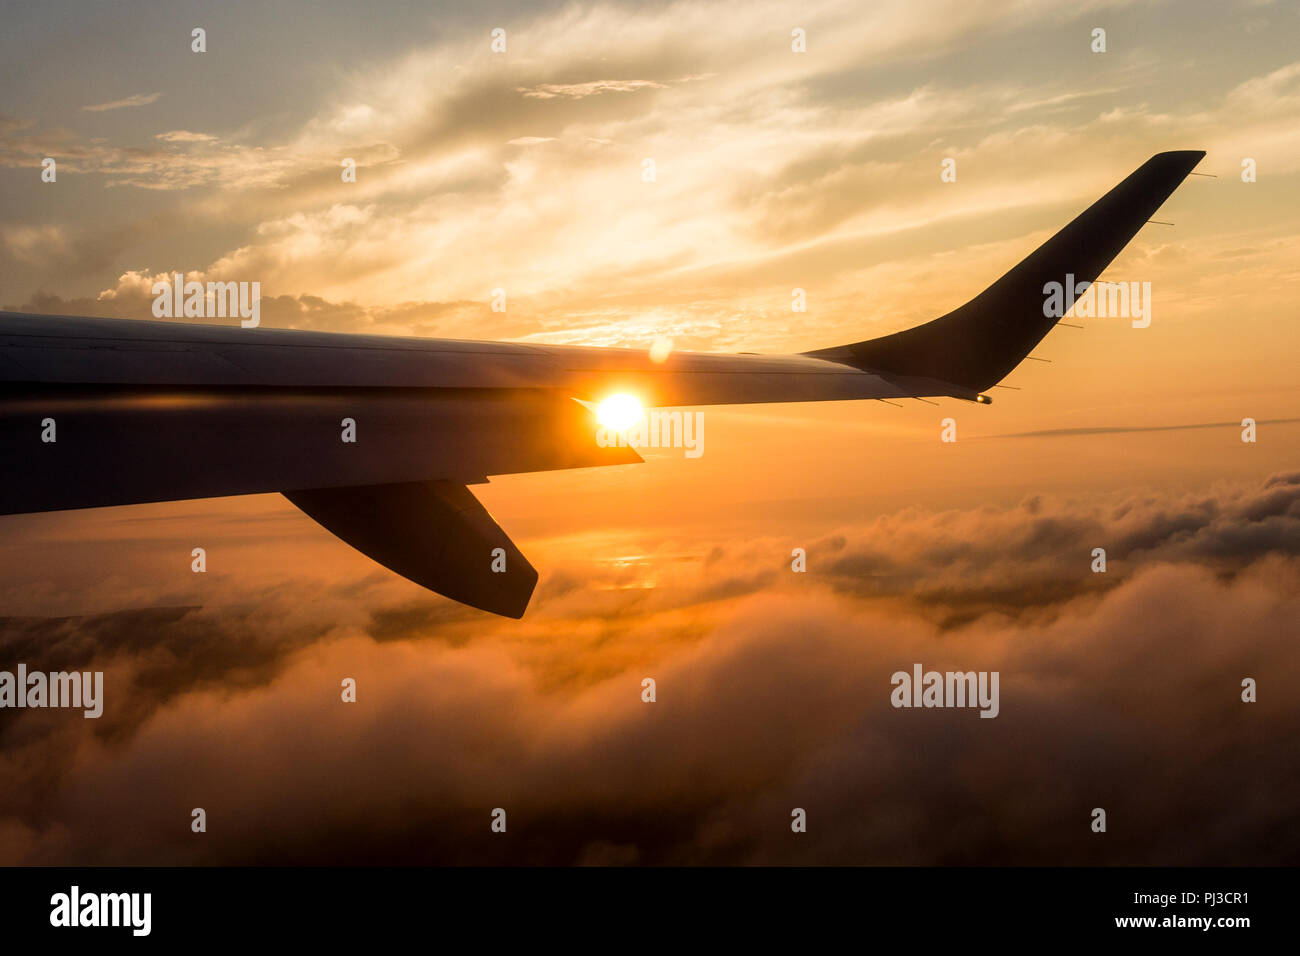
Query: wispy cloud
point(184, 136)
point(136, 99)
point(576, 91)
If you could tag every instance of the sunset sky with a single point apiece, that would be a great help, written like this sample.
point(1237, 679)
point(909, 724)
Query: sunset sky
point(775, 170)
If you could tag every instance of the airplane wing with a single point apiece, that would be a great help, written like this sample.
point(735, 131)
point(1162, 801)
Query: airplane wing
point(99, 412)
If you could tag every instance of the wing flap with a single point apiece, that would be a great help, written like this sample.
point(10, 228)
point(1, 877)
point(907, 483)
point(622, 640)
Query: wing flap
point(435, 533)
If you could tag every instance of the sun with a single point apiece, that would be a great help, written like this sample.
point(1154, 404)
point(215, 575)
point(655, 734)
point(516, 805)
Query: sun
point(619, 412)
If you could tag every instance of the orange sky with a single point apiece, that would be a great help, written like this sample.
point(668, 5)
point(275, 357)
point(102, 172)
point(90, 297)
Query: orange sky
point(774, 170)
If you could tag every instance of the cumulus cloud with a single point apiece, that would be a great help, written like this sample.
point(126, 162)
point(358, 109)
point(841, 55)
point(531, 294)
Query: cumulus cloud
point(132, 297)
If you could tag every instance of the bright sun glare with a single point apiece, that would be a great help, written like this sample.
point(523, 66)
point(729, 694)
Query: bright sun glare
point(619, 412)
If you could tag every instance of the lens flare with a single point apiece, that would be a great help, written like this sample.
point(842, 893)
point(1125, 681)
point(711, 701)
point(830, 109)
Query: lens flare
point(619, 412)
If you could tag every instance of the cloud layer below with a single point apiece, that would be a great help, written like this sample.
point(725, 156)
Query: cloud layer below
point(1118, 690)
